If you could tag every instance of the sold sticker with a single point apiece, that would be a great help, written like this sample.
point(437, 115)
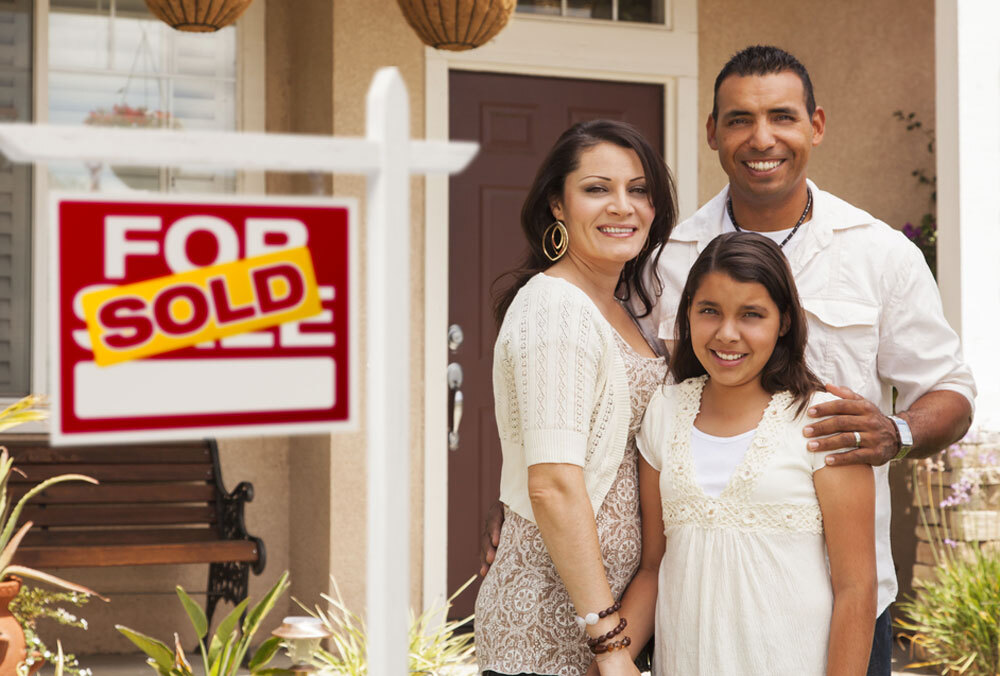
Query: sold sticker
point(167, 313)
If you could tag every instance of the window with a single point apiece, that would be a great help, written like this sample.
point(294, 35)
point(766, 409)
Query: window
point(110, 62)
point(641, 11)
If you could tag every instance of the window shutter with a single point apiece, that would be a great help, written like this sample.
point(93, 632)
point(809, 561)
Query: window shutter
point(15, 204)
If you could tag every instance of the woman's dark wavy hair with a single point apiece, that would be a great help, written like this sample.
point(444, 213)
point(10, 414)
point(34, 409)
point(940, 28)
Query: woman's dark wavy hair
point(536, 213)
point(749, 257)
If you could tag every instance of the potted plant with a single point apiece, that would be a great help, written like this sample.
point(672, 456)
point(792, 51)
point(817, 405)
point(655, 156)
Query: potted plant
point(12, 646)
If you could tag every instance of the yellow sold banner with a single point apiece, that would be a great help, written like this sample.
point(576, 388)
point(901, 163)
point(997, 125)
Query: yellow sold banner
point(202, 305)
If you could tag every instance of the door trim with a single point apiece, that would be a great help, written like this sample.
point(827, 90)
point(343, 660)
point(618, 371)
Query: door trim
point(550, 48)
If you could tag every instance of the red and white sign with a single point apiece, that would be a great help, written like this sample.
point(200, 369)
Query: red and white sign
point(186, 317)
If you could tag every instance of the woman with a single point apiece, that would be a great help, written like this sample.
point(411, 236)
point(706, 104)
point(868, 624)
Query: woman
point(572, 374)
point(749, 516)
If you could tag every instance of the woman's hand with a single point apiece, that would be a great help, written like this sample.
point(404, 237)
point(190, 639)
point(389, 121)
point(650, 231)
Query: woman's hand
point(618, 663)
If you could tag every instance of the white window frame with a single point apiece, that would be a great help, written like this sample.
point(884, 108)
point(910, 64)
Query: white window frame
point(250, 116)
point(553, 46)
point(666, 6)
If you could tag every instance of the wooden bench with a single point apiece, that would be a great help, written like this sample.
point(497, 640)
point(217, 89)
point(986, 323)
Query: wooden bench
point(156, 504)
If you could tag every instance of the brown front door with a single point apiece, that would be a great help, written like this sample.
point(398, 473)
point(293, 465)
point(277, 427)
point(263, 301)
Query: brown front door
point(515, 119)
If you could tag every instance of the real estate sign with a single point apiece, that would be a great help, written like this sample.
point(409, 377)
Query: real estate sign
point(186, 317)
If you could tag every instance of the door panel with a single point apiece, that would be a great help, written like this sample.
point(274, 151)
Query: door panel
point(516, 119)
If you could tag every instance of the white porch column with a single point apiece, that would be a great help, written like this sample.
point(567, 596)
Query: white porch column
point(968, 187)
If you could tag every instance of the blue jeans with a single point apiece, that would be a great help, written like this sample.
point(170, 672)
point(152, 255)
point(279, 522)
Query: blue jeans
point(880, 663)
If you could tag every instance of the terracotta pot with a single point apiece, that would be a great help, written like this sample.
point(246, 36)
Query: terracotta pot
point(197, 16)
point(456, 25)
point(12, 648)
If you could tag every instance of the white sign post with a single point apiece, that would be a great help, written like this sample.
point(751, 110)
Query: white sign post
point(388, 157)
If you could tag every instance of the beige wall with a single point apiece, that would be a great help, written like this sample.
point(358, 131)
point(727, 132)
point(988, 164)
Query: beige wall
point(866, 59)
point(321, 59)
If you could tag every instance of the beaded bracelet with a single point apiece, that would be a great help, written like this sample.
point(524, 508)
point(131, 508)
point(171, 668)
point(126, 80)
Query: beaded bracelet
point(611, 647)
point(593, 618)
point(610, 635)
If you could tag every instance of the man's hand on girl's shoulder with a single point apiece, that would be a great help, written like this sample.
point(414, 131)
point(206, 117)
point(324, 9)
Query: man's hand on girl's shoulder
point(855, 423)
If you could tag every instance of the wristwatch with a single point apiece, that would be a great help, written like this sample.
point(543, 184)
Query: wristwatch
point(905, 436)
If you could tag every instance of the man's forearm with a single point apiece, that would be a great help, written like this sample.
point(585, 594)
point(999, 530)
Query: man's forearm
point(936, 420)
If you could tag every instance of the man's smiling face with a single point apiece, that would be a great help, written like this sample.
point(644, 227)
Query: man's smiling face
point(764, 135)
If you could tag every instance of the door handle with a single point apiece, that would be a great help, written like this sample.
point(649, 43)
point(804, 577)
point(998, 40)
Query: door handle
point(457, 401)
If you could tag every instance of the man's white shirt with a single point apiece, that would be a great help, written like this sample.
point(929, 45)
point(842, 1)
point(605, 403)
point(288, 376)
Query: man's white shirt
point(874, 314)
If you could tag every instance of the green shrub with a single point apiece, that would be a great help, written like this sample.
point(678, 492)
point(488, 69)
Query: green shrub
point(436, 646)
point(955, 617)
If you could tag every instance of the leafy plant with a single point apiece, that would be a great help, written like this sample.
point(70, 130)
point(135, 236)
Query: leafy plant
point(229, 644)
point(434, 646)
point(955, 618)
point(20, 412)
point(924, 235)
point(33, 604)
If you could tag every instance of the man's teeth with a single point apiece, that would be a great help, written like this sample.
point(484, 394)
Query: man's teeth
point(611, 230)
point(763, 166)
point(729, 356)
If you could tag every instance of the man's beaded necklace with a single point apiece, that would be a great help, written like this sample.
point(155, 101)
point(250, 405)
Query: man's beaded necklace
point(802, 218)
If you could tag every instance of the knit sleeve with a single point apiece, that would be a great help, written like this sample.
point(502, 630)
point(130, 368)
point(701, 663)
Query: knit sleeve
point(556, 352)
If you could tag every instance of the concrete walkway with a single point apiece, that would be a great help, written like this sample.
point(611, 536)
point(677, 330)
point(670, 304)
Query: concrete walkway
point(135, 665)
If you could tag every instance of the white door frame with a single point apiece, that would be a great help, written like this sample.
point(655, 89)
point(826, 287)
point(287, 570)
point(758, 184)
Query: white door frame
point(551, 47)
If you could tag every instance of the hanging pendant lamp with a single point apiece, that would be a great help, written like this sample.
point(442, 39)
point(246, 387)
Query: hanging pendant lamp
point(456, 25)
point(197, 16)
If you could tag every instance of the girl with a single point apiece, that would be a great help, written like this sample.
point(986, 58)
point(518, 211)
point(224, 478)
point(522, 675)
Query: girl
point(743, 582)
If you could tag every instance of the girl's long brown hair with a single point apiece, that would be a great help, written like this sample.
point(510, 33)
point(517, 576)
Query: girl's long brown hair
point(536, 213)
point(750, 257)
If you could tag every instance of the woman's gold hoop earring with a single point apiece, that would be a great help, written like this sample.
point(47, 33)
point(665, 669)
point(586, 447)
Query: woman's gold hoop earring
point(556, 237)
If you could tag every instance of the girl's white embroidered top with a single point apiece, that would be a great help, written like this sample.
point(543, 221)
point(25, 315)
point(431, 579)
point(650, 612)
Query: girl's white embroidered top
point(744, 586)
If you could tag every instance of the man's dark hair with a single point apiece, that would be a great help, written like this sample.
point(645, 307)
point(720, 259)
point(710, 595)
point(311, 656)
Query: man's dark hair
point(763, 60)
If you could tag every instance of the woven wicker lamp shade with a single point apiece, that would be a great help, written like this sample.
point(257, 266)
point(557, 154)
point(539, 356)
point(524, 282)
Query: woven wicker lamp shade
point(456, 25)
point(197, 16)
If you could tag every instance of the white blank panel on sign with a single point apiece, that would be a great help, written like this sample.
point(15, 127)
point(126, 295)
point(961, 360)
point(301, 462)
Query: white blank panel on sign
point(237, 386)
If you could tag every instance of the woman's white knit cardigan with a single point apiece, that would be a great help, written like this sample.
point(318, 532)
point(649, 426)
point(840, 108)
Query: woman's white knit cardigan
point(561, 390)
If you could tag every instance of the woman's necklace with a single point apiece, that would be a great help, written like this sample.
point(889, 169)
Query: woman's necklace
point(802, 218)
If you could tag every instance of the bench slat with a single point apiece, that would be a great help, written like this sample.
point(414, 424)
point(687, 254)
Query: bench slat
point(34, 454)
point(162, 472)
point(57, 537)
point(70, 493)
point(116, 516)
point(118, 555)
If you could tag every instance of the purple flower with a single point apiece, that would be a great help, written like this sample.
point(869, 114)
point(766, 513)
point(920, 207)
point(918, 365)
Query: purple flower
point(911, 232)
point(951, 543)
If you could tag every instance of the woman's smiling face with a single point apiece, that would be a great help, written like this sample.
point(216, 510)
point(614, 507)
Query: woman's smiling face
point(734, 328)
point(605, 206)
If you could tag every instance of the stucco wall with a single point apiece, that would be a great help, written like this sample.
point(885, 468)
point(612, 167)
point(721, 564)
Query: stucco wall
point(367, 36)
point(866, 60)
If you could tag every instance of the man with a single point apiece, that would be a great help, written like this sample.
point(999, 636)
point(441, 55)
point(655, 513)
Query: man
point(875, 317)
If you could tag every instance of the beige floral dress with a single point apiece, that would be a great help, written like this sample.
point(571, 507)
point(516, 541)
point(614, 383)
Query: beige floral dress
point(524, 617)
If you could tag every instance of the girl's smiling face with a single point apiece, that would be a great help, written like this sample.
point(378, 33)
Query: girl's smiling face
point(734, 328)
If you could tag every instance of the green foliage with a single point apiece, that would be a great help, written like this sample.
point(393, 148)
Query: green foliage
point(434, 645)
point(955, 617)
point(33, 604)
point(228, 646)
point(923, 235)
